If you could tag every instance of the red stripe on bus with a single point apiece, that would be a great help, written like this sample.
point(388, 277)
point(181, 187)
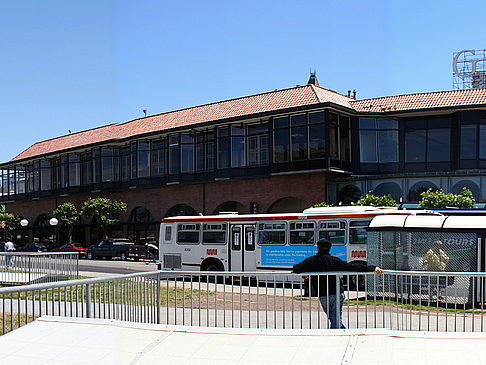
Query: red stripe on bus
point(237, 218)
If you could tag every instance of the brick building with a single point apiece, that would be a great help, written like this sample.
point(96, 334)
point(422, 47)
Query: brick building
point(272, 152)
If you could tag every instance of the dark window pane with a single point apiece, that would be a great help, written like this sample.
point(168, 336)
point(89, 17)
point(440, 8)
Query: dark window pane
point(439, 145)
point(388, 146)
point(482, 141)
point(237, 151)
point(223, 131)
point(298, 120)
point(299, 143)
point(315, 118)
point(415, 146)
point(367, 144)
point(223, 153)
point(317, 144)
point(468, 141)
point(367, 123)
point(281, 145)
point(238, 130)
point(282, 122)
point(387, 123)
point(255, 129)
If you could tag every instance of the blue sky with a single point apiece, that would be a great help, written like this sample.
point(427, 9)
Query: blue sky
point(75, 65)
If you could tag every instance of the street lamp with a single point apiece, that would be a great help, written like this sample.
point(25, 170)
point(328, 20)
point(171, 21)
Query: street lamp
point(53, 222)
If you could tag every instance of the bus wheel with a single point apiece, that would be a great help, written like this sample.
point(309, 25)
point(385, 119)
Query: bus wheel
point(212, 265)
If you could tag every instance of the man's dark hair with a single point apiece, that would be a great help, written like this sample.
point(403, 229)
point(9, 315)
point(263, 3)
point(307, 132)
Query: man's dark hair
point(324, 246)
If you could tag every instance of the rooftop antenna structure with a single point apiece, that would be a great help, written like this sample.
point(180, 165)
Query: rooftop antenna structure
point(144, 112)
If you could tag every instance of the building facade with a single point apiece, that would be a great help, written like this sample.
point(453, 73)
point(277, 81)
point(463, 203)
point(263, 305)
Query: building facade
point(272, 152)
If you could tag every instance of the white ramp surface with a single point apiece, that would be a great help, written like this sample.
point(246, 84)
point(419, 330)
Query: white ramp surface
point(56, 340)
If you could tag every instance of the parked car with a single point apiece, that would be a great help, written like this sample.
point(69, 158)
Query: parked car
point(33, 247)
point(72, 247)
point(116, 247)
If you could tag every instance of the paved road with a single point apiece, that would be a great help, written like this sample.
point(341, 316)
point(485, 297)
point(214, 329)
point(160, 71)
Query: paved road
point(114, 266)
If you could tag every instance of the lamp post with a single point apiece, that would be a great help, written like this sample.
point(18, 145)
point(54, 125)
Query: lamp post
point(23, 223)
point(53, 222)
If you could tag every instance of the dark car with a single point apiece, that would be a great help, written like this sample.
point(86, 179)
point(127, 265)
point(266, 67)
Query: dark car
point(72, 247)
point(33, 247)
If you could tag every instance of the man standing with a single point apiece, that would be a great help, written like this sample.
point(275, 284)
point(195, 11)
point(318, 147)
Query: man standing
point(326, 285)
point(9, 247)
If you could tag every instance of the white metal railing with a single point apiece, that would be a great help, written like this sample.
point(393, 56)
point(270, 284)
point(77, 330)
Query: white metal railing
point(17, 268)
point(401, 300)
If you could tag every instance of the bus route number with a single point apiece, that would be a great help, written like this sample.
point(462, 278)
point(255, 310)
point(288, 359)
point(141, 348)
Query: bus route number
point(212, 251)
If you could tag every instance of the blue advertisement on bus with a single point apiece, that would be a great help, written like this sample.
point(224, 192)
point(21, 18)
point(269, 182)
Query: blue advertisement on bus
point(291, 255)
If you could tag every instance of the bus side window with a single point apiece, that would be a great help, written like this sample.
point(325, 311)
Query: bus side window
point(236, 238)
point(250, 239)
point(168, 234)
point(271, 233)
point(188, 234)
point(302, 233)
point(357, 232)
point(334, 232)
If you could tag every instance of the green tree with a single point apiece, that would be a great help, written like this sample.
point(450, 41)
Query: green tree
point(322, 204)
point(376, 200)
point(8, 222)
point(68, 215)
point(436, 198)
point(102, 210)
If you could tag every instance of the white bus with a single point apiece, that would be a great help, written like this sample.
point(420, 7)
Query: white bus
point(232, 242)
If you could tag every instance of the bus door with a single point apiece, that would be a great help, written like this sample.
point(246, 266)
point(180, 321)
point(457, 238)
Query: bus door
point(242, 247)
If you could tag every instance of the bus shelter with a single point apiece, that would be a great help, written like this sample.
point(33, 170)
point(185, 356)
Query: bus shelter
point(434, 244)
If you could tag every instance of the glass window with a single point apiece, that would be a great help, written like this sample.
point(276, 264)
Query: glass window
point(468, 141)
point(271, 233)
point(74, 170)
point(64, 172)
point(333, 231)
point(333, 136)
point(168, 233)
point(188, 234)
point(143, 159)
point(107, 164)
point(378, 140)
point(20, 179)
point(87, 169)
point(368, 145)
point(302, 233)
point(415, 145)
point(223, 148)
point(125, 163)
point(357, 232)
point(345, 137)
point(299, 143)
point(482, 143)
point(238, 146)
point(439, 145)
point(317, 118)
point(96, 165)
point(45, 175)
point(282, 122)
point(187, 153)
point(298, 120)
point(317, 145)
point(281, 145)
point(174, 154)
point(157, 156)
point(214, 233)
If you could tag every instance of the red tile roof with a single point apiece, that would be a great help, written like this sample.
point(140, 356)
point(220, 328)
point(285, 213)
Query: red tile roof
point(439, 99)
point(253, 104)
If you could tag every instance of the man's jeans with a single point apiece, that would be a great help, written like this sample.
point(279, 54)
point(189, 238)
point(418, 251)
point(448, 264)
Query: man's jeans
point(329, 305)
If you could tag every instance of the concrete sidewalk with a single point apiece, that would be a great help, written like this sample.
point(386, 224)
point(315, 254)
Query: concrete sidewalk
point(56, 340)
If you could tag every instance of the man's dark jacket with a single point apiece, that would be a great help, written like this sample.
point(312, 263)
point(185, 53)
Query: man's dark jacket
point(325, 262)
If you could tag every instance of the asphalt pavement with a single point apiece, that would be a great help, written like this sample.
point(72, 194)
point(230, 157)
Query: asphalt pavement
point(96, 268)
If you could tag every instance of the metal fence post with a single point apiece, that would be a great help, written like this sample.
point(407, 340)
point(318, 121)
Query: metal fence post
point(88, 300)
point(338, 300)
point(158, 299)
